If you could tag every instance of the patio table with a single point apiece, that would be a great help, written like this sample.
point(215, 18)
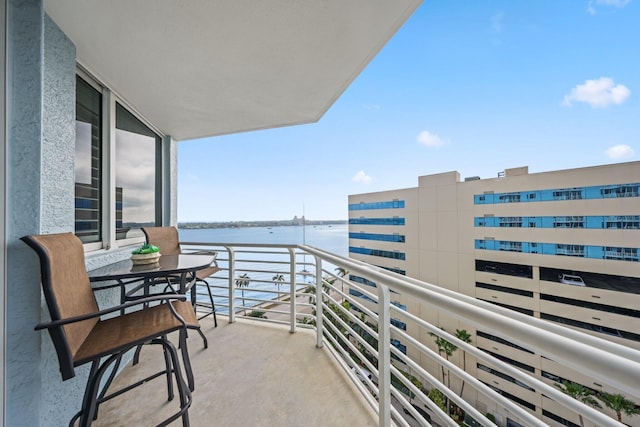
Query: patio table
point(168, 267)
point(182, 266)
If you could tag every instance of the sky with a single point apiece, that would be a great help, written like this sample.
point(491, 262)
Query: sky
point(474, 86)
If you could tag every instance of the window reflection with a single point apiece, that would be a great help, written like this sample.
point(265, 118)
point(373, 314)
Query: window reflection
point(137, 175)
point(88, 211)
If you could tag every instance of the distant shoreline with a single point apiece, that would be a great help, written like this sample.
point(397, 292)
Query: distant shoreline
point(244, 224)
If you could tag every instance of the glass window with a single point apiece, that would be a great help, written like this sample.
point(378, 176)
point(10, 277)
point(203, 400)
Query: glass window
point(110, 207)
point(137, 175)
point(392, 204)
point(88, 194)
point(397, 238)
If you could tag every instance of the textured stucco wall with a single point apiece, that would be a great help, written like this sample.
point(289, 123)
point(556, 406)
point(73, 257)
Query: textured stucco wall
point(24, 130)
point(59, 400)
point(40, 199)
point(170, 179)
point(58, 131)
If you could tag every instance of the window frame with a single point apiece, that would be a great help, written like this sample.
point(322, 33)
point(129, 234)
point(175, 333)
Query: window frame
point(108, 165)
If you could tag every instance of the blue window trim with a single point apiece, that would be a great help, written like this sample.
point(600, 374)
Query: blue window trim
point(576, 193)
point(601, 222)
point(391, 204)
point(396, 238)
point(377, 252)
point(377, 221)
point(562, 249)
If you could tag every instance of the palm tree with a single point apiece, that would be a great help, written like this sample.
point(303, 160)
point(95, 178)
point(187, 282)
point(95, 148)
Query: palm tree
point(278, 279)
point(447, 348)
point(619, 403)
point(242, 282)
point(580, 393)
point(341, 272)
point(463, 336)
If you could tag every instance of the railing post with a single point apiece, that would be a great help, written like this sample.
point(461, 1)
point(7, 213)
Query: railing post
point(384, 357)
point(319, 315)
point(232, 286)
point(293, 283)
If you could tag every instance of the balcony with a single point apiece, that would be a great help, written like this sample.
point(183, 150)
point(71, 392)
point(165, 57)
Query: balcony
point(342, 352)
point(252, 374)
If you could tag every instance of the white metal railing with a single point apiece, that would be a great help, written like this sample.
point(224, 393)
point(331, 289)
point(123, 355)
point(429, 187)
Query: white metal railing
point(358, 332)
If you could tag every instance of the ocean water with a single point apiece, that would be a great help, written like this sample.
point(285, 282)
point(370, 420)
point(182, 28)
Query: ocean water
point(333, 238)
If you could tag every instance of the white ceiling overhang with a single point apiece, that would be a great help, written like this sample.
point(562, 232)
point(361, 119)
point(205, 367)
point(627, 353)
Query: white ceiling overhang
point(198, 68)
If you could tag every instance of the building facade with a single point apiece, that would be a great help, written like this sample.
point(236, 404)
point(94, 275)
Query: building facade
point(561, 246)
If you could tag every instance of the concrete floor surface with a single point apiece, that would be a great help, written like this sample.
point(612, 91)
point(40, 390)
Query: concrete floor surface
point(252, 374)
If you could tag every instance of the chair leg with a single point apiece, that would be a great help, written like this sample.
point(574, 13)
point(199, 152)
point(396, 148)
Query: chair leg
point(183, 391)
point(86, 398)
point(90, 400)
point(213, 305)
point(202, 335)
point(185, 359)
point(136, 355)
point(167, 363)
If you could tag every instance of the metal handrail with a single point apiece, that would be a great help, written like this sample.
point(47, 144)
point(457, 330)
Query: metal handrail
point(611, 363)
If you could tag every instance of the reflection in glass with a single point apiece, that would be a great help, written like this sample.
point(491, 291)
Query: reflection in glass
point(137, 175)
point(88, 212)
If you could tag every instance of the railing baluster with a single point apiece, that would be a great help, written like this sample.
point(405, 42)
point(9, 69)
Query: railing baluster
point(384, 356)
point(232, 285)
point(319, 316)
point(293, 285)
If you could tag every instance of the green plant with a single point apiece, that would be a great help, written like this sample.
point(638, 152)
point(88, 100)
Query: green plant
point(278, 279)
point(437, 397)
point(258, 314)
point(580, 393)
point(463, 336)
point(444, 347)
point(242, 282)
point(619, 403)
point(491, 417)
point(414, 380)
point(447, 348)
point(146, 249)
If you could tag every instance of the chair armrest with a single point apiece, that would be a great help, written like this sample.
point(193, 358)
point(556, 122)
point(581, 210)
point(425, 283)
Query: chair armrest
point(61, 322)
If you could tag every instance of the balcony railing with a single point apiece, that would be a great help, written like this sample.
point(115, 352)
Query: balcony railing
point(383, 345)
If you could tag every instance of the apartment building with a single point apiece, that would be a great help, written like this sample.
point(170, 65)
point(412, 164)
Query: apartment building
point(561, 246)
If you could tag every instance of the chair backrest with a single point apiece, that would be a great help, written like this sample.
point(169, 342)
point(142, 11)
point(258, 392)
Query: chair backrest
point(166, 238)
point(67, 291)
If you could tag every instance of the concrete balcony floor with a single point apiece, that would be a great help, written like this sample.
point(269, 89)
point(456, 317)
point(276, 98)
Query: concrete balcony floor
point(252, 374)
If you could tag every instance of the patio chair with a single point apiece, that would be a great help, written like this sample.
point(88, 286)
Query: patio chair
point(81, 336)
point(166, 238)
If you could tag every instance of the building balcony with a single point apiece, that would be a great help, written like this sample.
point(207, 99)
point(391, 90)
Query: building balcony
point(326, 344)
point(252, 374)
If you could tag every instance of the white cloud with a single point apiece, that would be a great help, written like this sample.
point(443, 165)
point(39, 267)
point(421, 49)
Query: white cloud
point(598, 93)
point(430, 139)
point(591, 7)
point(614, 3)
point(362, 178)
point(496, 22)
point(620, 151)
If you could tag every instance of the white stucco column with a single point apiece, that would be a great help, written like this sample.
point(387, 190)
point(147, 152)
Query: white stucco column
point(169, 181)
